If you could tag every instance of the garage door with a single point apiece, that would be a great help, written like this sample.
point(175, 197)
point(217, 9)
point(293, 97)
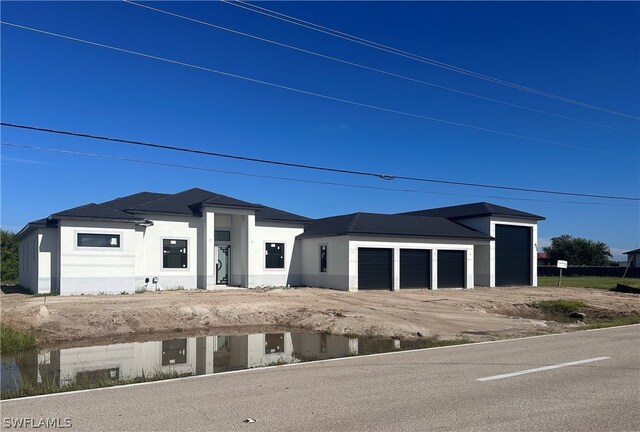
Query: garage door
point(451, 272)
point(375, 268)
point(513, 255)
point(415, 268)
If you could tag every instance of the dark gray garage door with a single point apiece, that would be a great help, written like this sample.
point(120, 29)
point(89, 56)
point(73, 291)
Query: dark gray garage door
point(415, 268)
point(513, 255)
point(375, 269)
point(451, 269)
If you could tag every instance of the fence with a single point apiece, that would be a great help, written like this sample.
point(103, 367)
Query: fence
point(589, 271)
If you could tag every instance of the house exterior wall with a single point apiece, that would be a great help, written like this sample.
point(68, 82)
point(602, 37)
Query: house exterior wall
point(38, 261)
point(149, 252)
point(88, 270)
point(48, 266)
point(482, 253)
point(397, 243)
point(485, 259)
point(239, 249)
point(28, 262)
point(260, 234)
point(337, 274)
point(633, 260)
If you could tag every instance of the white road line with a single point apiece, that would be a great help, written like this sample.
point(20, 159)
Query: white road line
point(540, 369)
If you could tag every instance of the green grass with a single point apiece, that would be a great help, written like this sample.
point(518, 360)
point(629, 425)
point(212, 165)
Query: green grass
point(13, 341)
point(614, 322)
point(30, 388)
point(375, 345)
point(600, 282)
point(560, 307)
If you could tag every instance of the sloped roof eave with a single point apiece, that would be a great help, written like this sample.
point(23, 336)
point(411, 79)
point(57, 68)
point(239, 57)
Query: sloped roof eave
point(407, 235)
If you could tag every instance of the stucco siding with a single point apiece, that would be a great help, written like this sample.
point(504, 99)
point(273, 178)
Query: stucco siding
point(260, 235)
point(337, 274)
point(149, 256)
point(28, 262)
point(91, 270)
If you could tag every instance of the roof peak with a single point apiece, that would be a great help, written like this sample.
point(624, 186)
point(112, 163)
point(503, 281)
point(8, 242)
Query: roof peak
point(481, 208)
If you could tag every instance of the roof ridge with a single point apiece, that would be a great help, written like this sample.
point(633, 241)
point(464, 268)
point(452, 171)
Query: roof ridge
point(354, 220)
point(487, 206)
point(164, 197)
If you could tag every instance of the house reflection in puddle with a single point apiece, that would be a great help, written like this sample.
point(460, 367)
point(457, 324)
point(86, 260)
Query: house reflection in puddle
point(185, 356)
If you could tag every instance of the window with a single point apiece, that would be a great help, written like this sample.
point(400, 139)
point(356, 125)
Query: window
point(274, 255)
point(99, 240)
point(174, 352)
point(174, 253)
point(222, 235)
point(274, 343)
point(323, 258)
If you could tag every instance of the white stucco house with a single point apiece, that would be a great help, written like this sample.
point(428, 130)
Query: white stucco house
point(202, 239)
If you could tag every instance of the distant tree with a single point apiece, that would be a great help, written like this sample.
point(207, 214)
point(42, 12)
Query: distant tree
point(9, 256)
point(578, 251)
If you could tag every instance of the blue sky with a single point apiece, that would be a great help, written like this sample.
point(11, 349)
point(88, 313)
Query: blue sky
point(583, 51)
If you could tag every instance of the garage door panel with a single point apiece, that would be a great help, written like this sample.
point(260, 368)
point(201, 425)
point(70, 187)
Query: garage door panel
point(513, 255)
point(415, 268)
point(375, 268)
point(451, 269)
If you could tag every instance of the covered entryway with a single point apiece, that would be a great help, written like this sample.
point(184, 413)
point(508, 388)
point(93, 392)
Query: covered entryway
point(415, 268)
point(375, 268)
point(451, 269)
point(513, 255)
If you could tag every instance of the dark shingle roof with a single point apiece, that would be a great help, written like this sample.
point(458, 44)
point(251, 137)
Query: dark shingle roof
point(132, 201)
point(271, 214)
point(94, 212)
point(396, 225)
point(635, 251)
point(189, 201)
point(475, 209)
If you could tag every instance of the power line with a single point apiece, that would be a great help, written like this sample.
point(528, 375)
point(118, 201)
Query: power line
point(298, 180)
point(366, 42)
point(381, 71)
point(309, 93)
point(310, 167)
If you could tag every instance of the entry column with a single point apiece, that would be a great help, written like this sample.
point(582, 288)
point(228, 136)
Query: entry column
point(209, 250)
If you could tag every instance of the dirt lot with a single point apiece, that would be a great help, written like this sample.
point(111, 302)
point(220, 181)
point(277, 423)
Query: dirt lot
point(485, 313)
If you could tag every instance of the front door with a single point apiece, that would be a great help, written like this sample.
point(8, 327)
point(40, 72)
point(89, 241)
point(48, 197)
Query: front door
point(222, 266)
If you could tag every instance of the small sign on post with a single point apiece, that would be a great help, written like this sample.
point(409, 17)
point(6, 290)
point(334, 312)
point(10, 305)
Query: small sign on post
point(561, 265)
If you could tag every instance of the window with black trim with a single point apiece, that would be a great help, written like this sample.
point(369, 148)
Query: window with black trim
point(323, 258)
point(99, 240)
point(174, 352)
point(274, 255)
point(174, 253)
point(274, 343)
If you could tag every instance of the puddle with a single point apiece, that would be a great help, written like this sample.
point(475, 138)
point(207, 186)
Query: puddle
point(55, 370)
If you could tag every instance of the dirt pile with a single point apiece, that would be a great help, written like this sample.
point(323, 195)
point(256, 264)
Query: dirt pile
point(477, 314)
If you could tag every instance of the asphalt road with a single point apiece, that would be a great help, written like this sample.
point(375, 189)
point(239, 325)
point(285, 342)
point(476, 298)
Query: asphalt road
point(428, 390)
